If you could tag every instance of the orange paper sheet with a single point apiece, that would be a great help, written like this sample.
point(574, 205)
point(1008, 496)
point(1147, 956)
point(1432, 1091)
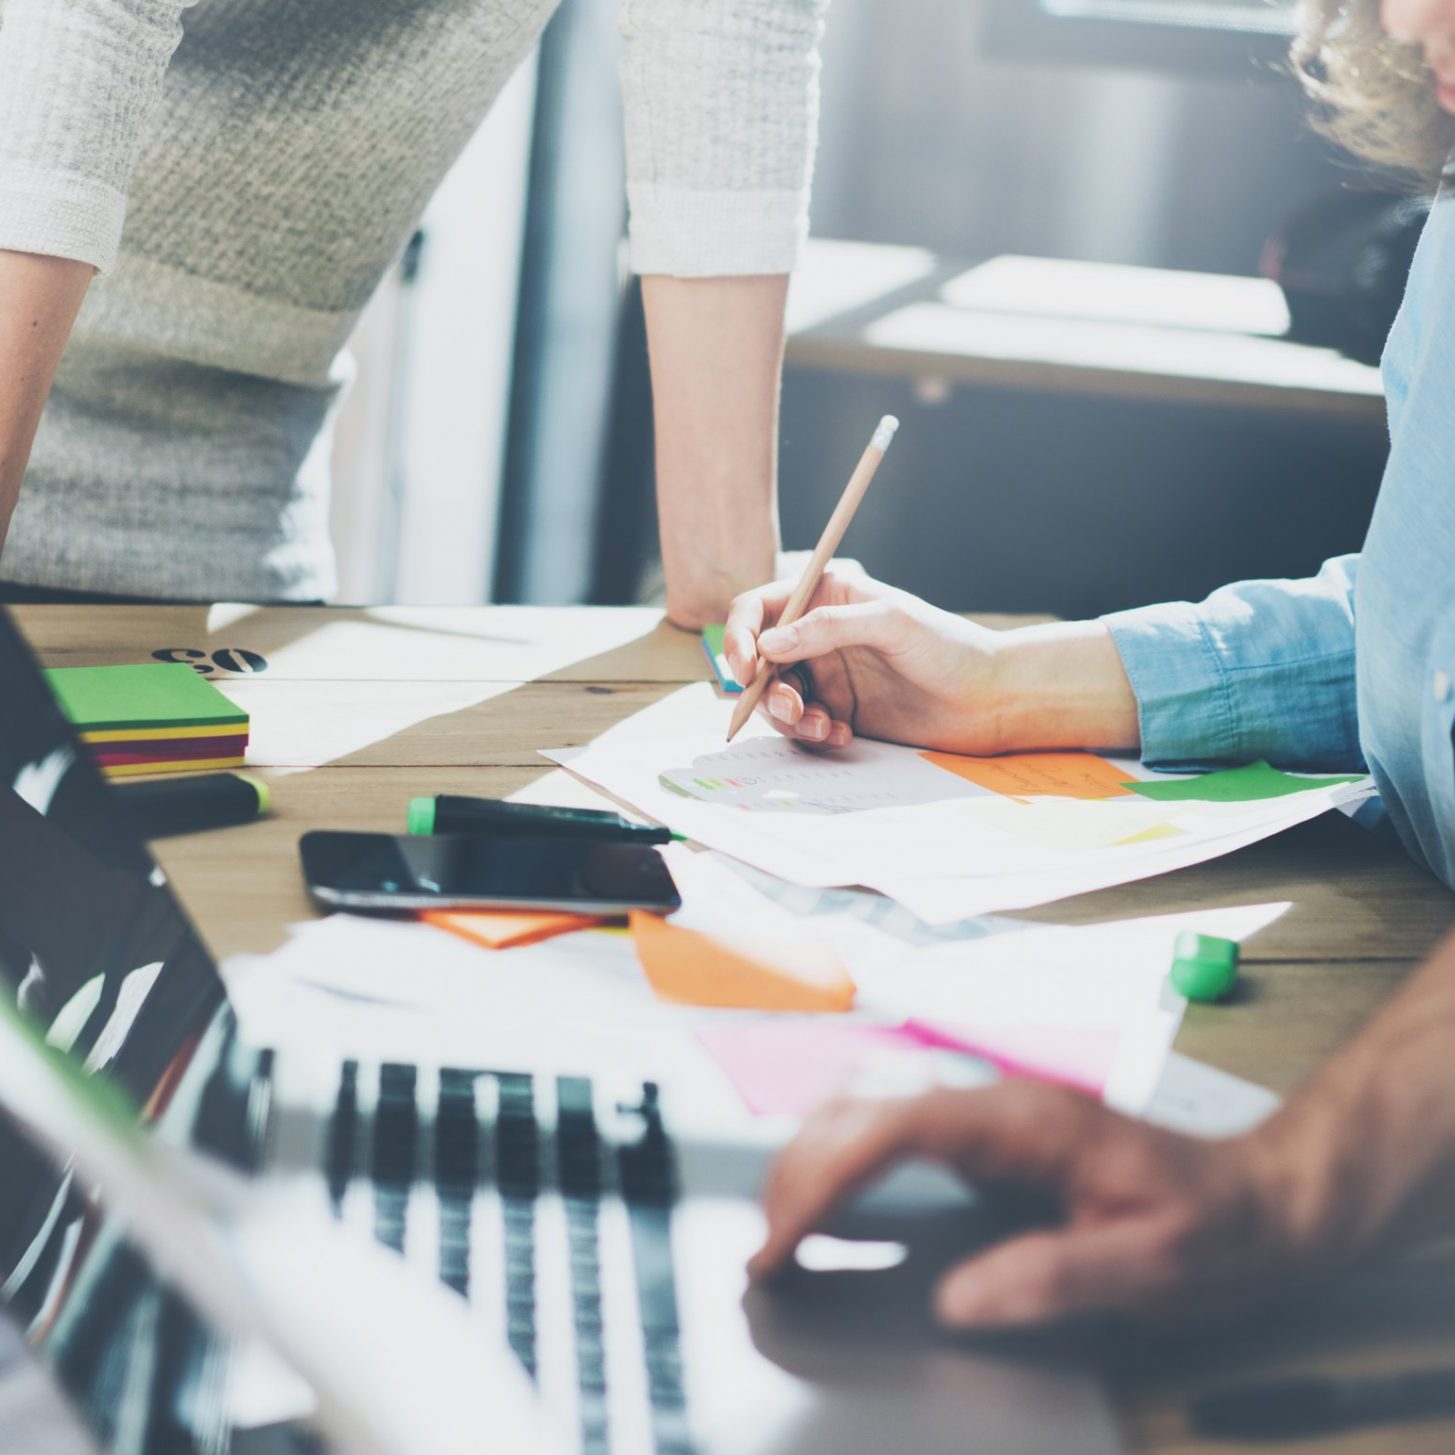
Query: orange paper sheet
point(691, 968)
point(504, 929)
point(1039, 775)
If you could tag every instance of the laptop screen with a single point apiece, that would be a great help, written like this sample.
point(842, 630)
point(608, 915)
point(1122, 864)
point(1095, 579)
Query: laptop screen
point(98, 953)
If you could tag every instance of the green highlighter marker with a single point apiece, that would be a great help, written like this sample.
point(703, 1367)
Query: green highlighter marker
point(454, 814)
point(1204, 967)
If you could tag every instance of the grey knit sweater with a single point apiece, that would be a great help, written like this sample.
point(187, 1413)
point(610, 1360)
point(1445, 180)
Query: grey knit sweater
point(244, 171)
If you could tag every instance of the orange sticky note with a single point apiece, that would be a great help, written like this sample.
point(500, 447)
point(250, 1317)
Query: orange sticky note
point(691, 968)
point(1039, 775)
point(503, 929)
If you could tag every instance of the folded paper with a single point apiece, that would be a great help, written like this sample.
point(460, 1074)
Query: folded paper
point(689, 967)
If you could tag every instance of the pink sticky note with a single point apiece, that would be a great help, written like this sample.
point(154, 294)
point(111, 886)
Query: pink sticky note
point(788, 1067)
point(1073, 1056)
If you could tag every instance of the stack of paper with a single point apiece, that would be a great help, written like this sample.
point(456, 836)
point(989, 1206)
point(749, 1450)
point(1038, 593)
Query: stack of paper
point(947, 836)
point(1089, 1007)
point(159, 717)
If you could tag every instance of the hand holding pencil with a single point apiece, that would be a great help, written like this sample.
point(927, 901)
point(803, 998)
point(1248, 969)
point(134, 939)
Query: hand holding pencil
point(871, 662)
point(833, 533)
point(850, 656)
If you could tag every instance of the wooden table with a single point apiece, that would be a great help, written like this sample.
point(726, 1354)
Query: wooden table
point(1062, 327)
point(356, 711)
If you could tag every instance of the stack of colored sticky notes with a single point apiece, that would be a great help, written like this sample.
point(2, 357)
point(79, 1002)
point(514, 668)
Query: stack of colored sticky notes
point(159, 717)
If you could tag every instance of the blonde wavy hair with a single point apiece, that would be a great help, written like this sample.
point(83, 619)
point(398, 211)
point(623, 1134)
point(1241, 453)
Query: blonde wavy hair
point(1375, 98)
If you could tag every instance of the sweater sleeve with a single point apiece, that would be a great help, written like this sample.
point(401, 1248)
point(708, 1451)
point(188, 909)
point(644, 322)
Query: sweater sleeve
point(1262, 669)
point(78, 80)
point(721, 104)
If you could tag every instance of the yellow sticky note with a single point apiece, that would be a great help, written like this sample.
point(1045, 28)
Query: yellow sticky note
point(1033, 775)
point(691, 968)
point(1157, 831)
point(1066, 826)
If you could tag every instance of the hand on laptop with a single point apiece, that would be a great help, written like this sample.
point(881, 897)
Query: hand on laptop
point(1152, 1223)
point(867, 659)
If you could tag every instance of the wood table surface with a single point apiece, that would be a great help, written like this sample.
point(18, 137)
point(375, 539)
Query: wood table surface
point(355, 711)
point(1061, 327)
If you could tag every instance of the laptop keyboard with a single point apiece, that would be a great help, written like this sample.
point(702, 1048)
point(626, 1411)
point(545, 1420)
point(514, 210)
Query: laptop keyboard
point(547, 1201)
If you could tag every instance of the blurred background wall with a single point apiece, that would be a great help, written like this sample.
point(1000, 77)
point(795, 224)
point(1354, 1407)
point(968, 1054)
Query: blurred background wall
point(502, 375)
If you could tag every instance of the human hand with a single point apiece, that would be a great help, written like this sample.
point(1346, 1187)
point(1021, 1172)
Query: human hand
point(1152, 1224)
point(874, 661)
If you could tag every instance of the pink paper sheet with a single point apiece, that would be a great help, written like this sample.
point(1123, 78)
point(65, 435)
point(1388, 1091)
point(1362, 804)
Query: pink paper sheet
point(787, 1067)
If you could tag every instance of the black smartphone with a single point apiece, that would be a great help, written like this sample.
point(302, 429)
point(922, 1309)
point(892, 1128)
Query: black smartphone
point(477, 871)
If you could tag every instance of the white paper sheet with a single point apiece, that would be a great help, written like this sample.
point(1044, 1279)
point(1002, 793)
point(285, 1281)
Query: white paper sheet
point(1110, 975)
point(580, 1003)
point(876, 913)
point(942, 899)
point(1203, 1101)
point(768, 774)
point(372, 987)
point(883, 817)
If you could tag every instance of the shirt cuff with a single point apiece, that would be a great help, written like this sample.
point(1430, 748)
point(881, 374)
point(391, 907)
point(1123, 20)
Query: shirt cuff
point(1184, 702)
point(60, 215)
point(715, 234)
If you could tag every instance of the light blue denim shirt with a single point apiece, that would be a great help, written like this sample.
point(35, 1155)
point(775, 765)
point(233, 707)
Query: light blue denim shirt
point(1354, 667)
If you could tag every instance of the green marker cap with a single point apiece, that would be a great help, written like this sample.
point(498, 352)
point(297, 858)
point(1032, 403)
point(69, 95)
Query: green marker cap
point(421, 816)
point(265, 794)
point(1204, 967)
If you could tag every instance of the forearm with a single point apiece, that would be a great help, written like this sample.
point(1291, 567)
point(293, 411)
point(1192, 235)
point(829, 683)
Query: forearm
point(1366, 1147)
point(717, 355)
point(1260, 669)
point(39, 300)
point(1062, 685)
point(78, 81)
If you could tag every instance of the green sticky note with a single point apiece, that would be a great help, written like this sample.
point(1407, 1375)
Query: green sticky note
point(151, 695)
point(712, 644)
point(1234, 785)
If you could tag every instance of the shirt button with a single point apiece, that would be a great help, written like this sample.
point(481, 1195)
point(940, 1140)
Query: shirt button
point(1442, 686)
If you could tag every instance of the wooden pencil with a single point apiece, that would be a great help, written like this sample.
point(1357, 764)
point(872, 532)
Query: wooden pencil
point(828, 543)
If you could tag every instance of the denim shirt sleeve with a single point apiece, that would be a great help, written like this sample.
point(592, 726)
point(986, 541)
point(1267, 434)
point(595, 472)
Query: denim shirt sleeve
point(1261, 669)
